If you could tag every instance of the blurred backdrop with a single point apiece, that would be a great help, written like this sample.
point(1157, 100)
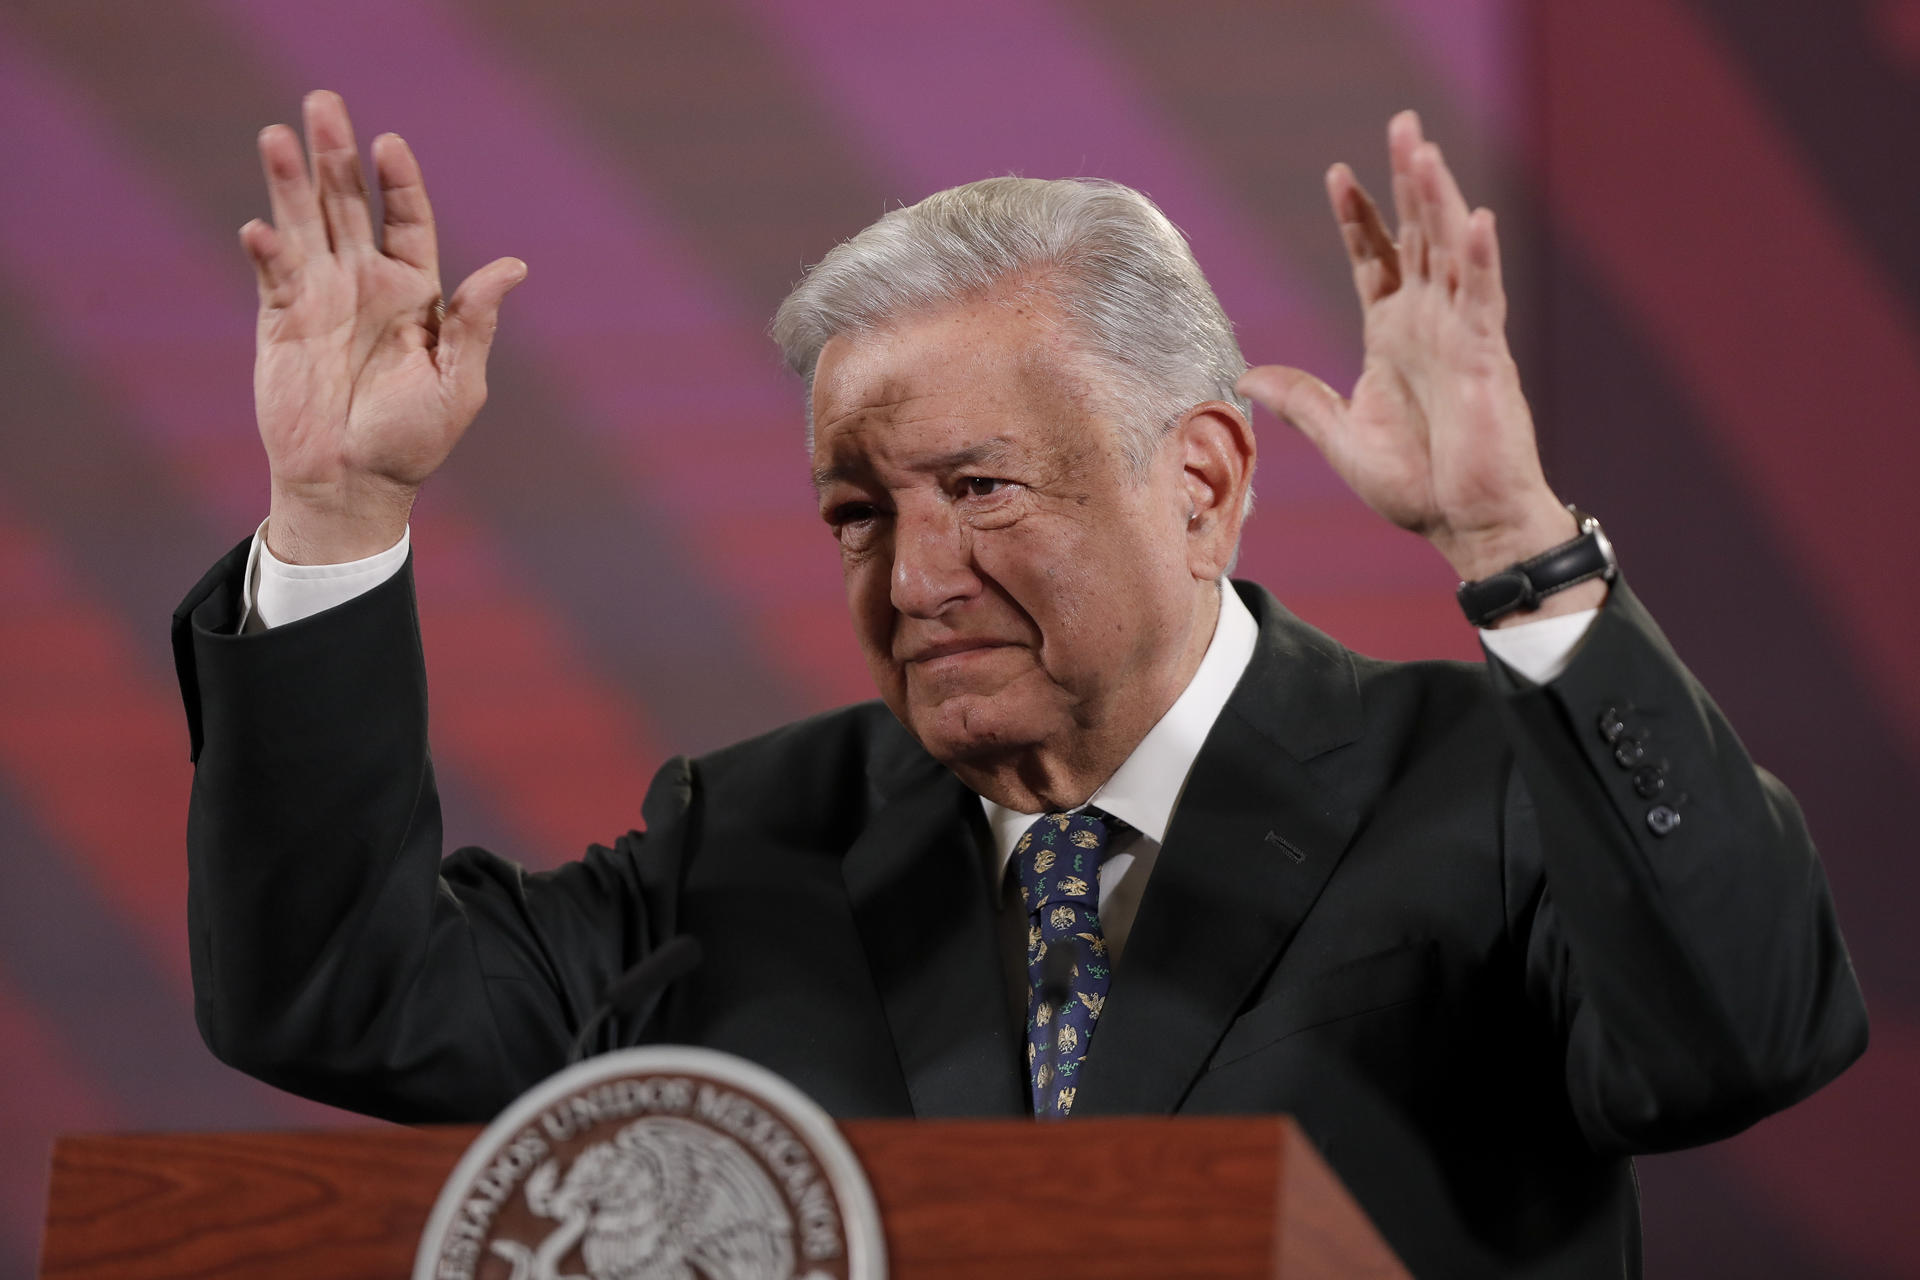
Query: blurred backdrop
point(1708, 211)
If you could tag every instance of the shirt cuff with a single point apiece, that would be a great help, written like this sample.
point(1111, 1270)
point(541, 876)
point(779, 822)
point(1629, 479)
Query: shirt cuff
point(275, 593)
point(1540, 650)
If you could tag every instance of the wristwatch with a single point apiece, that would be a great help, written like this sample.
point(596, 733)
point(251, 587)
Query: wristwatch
point(1521, 587)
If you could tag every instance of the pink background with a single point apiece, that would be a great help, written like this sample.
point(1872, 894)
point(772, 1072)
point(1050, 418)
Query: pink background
point(1708, 208)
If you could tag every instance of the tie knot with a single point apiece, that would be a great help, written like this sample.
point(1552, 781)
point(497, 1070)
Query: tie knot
point(1058, 859)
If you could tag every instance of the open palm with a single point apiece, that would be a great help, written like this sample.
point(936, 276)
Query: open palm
point(1436, 436)
point(363, 379)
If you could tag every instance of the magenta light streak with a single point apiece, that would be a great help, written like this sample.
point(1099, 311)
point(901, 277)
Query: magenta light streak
point(1472, 46)
point(121, 281)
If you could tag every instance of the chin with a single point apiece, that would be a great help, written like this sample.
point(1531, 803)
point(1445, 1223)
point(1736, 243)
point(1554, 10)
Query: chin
point(971, 728)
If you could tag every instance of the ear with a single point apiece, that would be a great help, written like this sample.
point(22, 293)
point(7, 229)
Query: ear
point(1217, 452)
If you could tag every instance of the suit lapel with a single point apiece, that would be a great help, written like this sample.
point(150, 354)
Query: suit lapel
point(920, 899)
point(1259, 828)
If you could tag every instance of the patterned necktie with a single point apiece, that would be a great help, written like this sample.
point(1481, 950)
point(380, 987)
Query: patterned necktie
point(1059, 865)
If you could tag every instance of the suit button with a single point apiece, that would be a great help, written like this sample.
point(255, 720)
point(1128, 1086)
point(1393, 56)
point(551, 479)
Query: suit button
point(1649, 780)
point(1662, 819)
point(1629, 752)
point(1612, 725)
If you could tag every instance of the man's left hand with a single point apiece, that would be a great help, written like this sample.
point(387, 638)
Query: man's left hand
point(1437, 436)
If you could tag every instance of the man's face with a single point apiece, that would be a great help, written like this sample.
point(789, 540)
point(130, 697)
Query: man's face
point(1020, 593)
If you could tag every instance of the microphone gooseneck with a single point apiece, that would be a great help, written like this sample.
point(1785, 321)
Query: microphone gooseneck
point(640, 989)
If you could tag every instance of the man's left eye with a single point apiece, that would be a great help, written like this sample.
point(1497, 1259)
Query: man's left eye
point(983, 486)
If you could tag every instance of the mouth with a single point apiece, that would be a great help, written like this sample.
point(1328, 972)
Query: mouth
point(956, 650)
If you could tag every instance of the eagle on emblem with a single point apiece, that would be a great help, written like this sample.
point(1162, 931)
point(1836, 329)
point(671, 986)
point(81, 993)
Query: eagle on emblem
point(665, 1199)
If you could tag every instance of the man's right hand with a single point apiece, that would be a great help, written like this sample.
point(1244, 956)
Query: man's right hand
point(363, 380)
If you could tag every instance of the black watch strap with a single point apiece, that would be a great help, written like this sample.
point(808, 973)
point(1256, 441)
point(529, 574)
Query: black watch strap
point(1520, 588)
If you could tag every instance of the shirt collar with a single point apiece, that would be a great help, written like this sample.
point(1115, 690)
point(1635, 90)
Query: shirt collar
point(1145, 788)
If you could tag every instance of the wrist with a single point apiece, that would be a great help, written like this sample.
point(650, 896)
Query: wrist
point(1568, 576)
point(310, 524)
point(1587, 595)
point(1476, 554)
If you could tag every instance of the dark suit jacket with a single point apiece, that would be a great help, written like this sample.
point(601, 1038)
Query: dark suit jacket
point(1419, 906)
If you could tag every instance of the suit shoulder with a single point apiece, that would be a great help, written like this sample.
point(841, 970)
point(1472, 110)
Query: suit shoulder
point(826, 768)
point(850, 732)
point(1325, 693)
point(1429, 697)
point(1426, 677)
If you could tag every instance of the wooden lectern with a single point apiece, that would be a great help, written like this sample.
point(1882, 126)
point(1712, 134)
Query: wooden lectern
point(1232, 1196)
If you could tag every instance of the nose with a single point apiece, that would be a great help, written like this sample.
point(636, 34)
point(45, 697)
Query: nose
point(932, 562)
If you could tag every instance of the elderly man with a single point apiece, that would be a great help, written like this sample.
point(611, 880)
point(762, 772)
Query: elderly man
point(1120, 835)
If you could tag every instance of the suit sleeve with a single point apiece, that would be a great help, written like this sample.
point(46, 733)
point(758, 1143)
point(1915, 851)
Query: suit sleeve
point(334, 953)
point(1678, 928)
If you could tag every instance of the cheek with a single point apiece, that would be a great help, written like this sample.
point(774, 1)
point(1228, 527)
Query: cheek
point(1094, 590)
point(1051, 573)
point(869, 603)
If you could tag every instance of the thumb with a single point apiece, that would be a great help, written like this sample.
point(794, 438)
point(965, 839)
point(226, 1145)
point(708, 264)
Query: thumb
point(1297, 398)
point(466, 334)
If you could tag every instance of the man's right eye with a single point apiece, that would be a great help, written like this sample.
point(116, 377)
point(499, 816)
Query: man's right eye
point(855, 525)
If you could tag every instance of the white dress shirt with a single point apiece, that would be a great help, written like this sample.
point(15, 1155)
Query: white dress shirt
point(1145, 788)
point(276, 593)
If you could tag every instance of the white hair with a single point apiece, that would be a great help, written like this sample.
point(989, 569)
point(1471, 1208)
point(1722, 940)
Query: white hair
point(1119, 274)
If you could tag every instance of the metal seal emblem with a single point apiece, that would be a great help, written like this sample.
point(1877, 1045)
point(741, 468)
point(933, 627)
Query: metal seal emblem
point(661, 1163)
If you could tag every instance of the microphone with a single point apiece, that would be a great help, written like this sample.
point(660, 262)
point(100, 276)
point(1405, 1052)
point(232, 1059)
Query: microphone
point(640, 989)
point(1056, 988)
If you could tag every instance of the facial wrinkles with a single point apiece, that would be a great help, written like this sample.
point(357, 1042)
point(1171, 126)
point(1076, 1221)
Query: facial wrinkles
point(1065, 571)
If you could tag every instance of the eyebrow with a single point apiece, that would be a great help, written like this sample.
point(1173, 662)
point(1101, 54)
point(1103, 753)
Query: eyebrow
point(993, 450)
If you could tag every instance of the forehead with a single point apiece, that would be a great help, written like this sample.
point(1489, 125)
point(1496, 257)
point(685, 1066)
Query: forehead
point(989, 371)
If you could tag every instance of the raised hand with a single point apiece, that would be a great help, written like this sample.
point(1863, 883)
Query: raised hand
point(1436, 436)
point(364, 378)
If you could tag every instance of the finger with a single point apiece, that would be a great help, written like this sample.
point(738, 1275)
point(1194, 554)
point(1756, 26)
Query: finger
point(269, 251)
point(290, 194)
point(1413, 239)
point(1403, 139)
point(1296, 397)
point(1440, 198)
point(336, 166)
point(1403, 144)
point(1370, 248)
point(1443, 213)
point(407, 231)
point(466, 333)
point(1480, 283)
